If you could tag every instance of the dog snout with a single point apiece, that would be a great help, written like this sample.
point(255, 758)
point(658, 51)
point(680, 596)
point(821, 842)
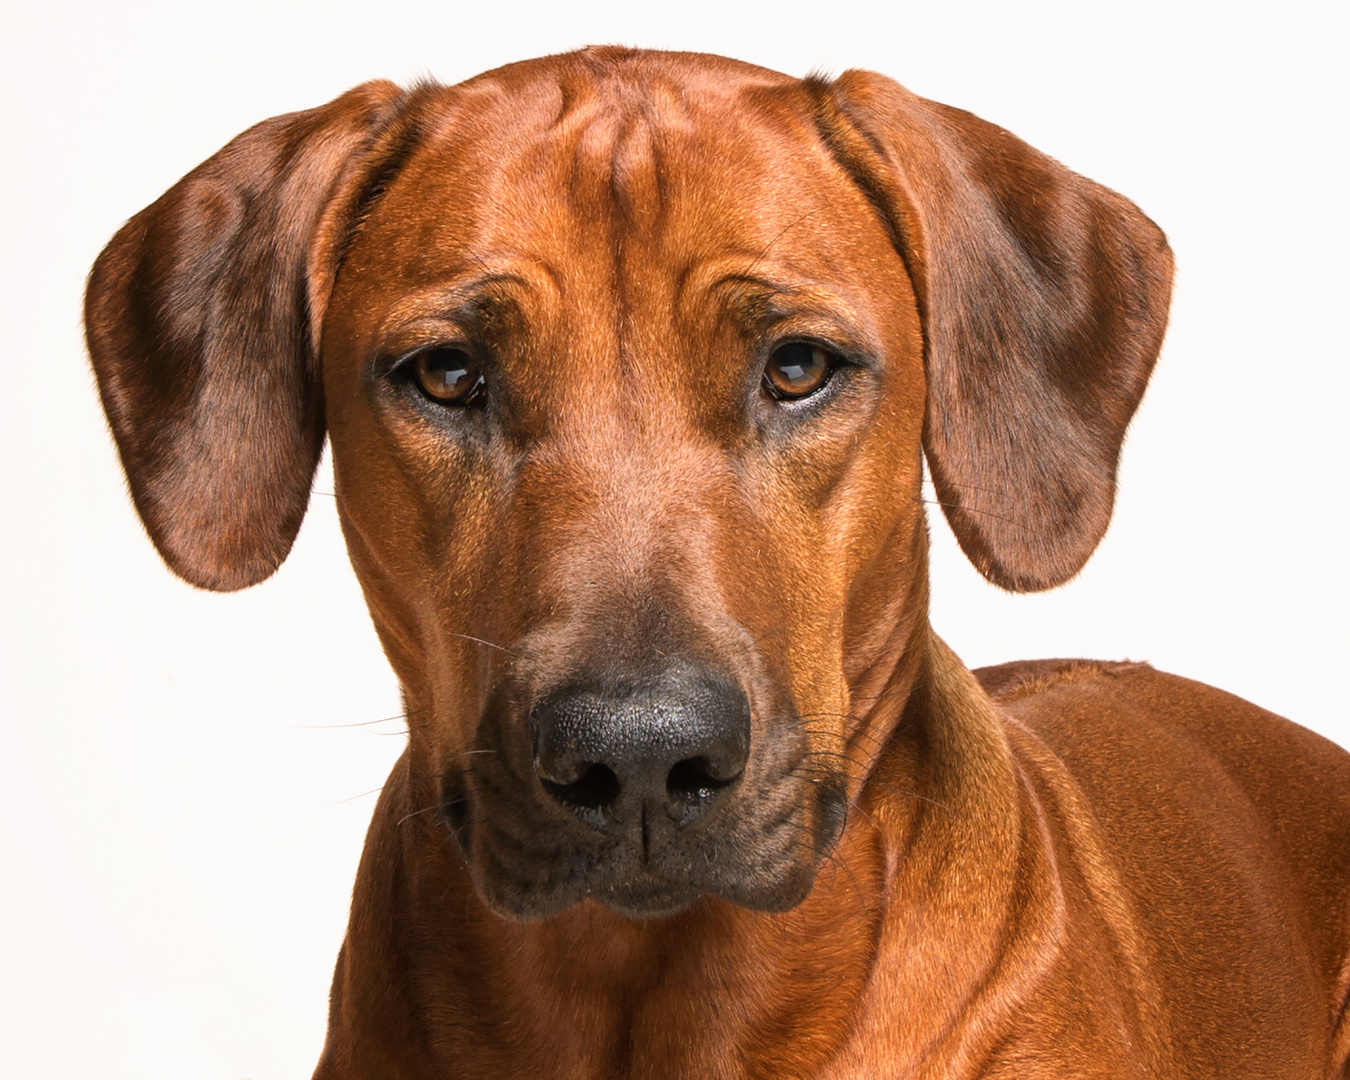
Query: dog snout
point(617, 753)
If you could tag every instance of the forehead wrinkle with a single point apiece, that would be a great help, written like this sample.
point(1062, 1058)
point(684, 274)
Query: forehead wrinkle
point(605, 144)
point(609, 130)
point(618, 125)
point(746, 281)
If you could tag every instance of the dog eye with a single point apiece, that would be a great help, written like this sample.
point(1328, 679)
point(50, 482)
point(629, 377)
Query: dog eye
point(798, 369)
point(447, 375)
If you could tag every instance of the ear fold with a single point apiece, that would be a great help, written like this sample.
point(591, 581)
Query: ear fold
point(197, 322)
point(1044, 300)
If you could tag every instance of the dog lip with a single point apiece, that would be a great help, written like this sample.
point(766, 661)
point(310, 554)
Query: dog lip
point(660, 900)
point(526, 870)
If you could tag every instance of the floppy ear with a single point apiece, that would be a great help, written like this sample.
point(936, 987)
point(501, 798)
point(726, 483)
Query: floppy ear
point(197, 320)
point(1044, 300)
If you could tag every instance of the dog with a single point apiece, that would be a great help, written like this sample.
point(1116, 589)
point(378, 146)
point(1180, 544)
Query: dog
point(629, 362)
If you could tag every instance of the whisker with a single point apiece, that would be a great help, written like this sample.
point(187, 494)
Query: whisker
point(489, 644)
point(352, 798)
point(416, 813)
point(831, 854)
point(358, 723)
point(769, 246)
point(969, 487)
point(804, 767)
point(986, 513)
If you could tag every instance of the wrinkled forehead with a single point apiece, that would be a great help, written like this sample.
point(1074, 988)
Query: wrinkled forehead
point(568, 171)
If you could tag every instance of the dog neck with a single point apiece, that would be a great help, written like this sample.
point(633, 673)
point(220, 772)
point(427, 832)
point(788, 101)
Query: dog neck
point(926, 869)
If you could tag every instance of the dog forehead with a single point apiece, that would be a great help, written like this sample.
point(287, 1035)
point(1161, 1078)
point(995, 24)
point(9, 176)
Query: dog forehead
point(567, 161)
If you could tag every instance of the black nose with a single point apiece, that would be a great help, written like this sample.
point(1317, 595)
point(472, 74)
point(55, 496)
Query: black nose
point(613, 753)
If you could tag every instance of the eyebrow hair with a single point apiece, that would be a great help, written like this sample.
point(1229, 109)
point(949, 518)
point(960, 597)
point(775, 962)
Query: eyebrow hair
point(757, 297)
point(462, 294)
point(750, 279)
point(477, 299)
point(765, 301)
point(482, 291)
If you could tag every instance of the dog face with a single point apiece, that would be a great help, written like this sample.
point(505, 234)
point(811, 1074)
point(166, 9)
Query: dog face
point(627, 361)
point(625, 491)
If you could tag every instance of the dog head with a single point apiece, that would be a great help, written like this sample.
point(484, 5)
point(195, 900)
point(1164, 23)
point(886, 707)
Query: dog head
point(628, 362)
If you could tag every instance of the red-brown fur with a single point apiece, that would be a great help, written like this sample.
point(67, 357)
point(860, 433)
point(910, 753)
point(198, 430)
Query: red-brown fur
point(1047, 869)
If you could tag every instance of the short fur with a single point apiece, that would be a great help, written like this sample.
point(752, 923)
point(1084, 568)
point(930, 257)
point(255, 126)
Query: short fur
point(1046, 869)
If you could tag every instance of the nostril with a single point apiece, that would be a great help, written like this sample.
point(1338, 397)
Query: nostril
point(595, 789)
point(614, 751)
point(694, 779)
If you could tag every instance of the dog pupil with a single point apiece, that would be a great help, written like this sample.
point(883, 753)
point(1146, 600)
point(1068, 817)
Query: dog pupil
point(798, 368)
point(447, 374)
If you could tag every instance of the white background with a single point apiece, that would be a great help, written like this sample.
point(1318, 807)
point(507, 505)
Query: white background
point(185, 778)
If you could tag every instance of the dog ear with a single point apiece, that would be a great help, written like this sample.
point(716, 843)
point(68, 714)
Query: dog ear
point(1043, 298)
point(197, 321)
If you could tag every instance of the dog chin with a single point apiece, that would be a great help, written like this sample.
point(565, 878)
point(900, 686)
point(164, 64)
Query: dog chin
point(644, 901)
point(646, 896)
point(531, 901)
point(655, 900)
point(652, 899)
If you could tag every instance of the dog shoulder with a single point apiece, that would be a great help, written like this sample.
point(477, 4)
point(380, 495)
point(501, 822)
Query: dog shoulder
point(1211, 805)
point(1095, 702)
point(1130, 728)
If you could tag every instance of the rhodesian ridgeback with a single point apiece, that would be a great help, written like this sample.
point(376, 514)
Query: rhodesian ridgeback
point(629, 362)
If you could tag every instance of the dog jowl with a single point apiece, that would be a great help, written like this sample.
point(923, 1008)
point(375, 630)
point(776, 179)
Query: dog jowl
point(629, 363)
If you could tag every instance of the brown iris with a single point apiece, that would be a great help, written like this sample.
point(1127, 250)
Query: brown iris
point(797, 370)
point(447, 375)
